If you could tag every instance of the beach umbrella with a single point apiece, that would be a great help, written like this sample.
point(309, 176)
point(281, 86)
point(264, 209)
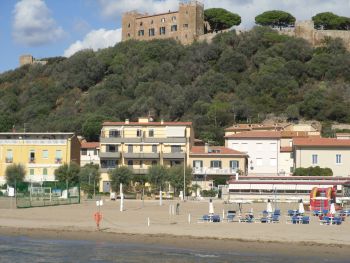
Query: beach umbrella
point(211, 207)
point(332, 209)
point(269, 206)
point(301, 209)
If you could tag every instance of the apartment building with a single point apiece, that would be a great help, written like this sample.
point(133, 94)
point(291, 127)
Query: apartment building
point(210, 162)
point(184, 25)
point(90, 153)
point(141, 144)
point(262, 148)
point(40, 153)
point(324, 152)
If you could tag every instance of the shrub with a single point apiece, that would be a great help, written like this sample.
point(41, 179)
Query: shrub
point(313, 171)
point(209, 193)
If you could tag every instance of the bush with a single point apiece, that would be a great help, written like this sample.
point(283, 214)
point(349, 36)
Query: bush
point(209, 193)
point(313, 171)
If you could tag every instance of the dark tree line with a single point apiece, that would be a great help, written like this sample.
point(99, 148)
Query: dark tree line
point(234, 78)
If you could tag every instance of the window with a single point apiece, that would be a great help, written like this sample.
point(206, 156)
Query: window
point(291, 155)
point(141, 24)
point(58, 156)
point(151, 22)
point(273, 162)
point(128, 34)
point(9, 156)
point(234, 164)
point(151, 133)
point(259, 162)
point(215, 164)
point(175, 148)
point(95, 152)
point(154, 148)
point(129, 25)
point(314, 159)
point(151, 32)
point(174, 163)
point(130, 148)
point(83, 152)
point(141, 33)
point(32, 156)
point(141, 148)
point(173, 28)
point(154, 162)
point(197, 164)
point(173, 18)
point(130, 162)
point(138, 133)
point(162, 20)
point(162, 30)
point(112, 148)
point(31, 171)
point(45, 171)
point(109, 163)
point(185, 26)
point(338, 159)
point(114, 133)
point(141, 163)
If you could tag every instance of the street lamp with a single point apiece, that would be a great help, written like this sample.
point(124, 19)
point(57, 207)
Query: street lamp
point(184, 192)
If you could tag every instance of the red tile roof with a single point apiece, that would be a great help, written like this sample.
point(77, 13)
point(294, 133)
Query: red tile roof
point(256, 134)
point(200, 150)
point(286, 149)
point(90, 145)
point(171, 123)
point(321, 142)
point(292, 134)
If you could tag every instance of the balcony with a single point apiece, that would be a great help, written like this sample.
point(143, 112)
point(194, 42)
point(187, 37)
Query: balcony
point(120, 140)
point(9, 160)
point(164, 140)
point(139, 170)
point(31, 160)
point(58, 160)
point(213, 171)
point(106, 169)
point(141, 155)
point(110, 155)
point(174, 155)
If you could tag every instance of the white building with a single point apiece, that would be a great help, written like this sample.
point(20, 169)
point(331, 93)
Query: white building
point(262, 147)
point(89, 153)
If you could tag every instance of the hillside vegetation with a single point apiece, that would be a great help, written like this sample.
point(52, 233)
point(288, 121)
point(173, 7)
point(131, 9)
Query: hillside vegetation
point(237, 77)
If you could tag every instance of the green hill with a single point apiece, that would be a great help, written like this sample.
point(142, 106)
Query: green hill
point(234, 78)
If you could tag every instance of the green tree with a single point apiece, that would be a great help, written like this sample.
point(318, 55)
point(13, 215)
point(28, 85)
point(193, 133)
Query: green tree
point(329, 20)
point(5, 123)
point(92, 127)
point(89, 178)
point(15, 174)
point(157, 176)
point(220, 19)
point(120, 175)
point(275, 18)
point(176, 177)
point(68, 173)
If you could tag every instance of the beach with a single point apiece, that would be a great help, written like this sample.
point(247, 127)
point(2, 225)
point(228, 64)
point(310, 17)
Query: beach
point(76, 222)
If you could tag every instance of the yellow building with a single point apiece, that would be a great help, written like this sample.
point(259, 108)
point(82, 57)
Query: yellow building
point(210, 162)
point(40, 153)
point(141, 144)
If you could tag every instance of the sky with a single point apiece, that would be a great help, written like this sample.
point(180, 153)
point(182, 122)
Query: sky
point(49, 28)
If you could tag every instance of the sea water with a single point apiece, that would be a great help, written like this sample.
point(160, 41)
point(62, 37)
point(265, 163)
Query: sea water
point(24, 249)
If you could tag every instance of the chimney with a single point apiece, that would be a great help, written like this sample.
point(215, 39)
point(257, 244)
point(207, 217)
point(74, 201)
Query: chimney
point(126, 121)
point(206, 148)
point(161, 121)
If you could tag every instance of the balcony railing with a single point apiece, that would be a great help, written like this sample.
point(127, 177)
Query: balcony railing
point(141, 155)
point(219, 171)
point(107, 140)
point(31, 160)
point(9, 160)
point(58, 160)
point(111, 155)
point(174, 155)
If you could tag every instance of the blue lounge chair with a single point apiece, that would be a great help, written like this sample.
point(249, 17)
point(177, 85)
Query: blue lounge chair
point(325, 211)
point(326, 220)
point(215, 218)
point(277, 212)
point(290, 213)
point(295, 220)
point(230, 216)
point(275, 219)
point(337, 220)
point(306, 220)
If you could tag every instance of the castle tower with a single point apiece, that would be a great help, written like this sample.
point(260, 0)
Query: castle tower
point(25, 59)
point(305, 29)
point(191, 18)
point(129, 25)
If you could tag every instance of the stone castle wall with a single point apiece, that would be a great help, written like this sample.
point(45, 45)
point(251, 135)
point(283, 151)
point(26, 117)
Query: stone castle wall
point(306, 30)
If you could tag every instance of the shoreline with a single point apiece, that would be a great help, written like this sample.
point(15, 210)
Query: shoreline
point(337, 251)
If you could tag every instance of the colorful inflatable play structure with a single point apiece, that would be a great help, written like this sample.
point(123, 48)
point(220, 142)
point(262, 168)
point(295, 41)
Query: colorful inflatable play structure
point(321, 198)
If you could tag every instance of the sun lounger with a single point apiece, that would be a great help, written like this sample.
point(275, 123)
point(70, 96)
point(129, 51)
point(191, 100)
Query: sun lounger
point(249, 218)
point(277, 212)
point(230, 216)
point(275, 219)
point(306, 220)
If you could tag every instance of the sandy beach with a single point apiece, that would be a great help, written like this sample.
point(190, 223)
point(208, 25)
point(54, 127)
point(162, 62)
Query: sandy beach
point(131, 225)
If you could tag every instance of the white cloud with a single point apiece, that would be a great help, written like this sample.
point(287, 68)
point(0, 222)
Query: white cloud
point(33, 24)
point(95, 40)
point(247, 9)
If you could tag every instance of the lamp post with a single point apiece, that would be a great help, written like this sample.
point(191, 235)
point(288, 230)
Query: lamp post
point(184, 192)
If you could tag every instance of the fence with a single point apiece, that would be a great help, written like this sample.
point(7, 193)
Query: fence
point(48, 194)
